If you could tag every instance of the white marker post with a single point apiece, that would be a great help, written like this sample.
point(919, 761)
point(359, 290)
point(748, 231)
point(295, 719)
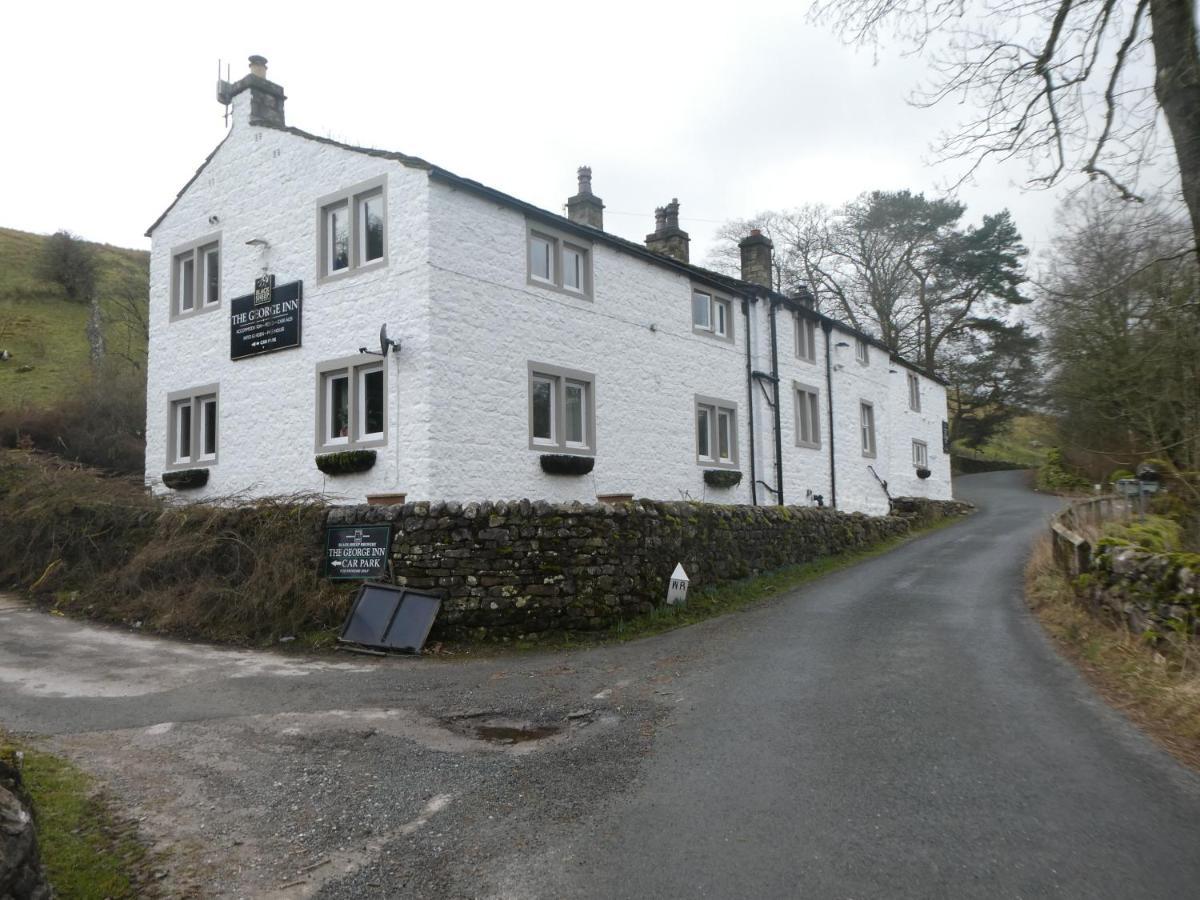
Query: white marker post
point(677, 589)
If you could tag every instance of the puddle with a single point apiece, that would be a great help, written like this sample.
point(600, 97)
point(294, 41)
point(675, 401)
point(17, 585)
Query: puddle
point(505, 734)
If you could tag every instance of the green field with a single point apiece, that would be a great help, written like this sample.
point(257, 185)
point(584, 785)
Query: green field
point(1024, 441)
point(44, 330)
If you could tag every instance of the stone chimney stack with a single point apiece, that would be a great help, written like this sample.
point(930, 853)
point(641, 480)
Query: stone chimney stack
point(585, 207)
point(668, 238)
point(266, 97)
point(756, 258)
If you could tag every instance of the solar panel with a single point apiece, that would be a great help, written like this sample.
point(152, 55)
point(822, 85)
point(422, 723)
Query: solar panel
point(384, 615)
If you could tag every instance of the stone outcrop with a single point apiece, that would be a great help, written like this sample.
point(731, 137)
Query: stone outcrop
point(523, 568)
point(21, 875)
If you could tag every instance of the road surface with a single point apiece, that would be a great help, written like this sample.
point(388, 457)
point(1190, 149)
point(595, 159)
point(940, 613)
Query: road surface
point(899, 729)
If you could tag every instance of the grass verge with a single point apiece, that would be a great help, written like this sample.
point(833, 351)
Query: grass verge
point(89, 852)
point(705, 604)
point(1157, 688)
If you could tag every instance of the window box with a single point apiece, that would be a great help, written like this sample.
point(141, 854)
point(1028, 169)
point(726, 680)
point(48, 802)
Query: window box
point(196, 277)
point(722, 478)
point(557, 261)
point(351, 403)
point(352, 231)
point(345, 462)
point(566, 464)
point(716, 433)
point(562, 409)
point(185, 479)
point(712, 315)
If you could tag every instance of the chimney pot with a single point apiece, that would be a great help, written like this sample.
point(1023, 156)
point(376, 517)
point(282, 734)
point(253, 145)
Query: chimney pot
point(756, 252)
point(668, 238)
point(585, 207)
point(258, 66)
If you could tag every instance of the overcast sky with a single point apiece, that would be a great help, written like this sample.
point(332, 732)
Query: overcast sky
point(732, 108)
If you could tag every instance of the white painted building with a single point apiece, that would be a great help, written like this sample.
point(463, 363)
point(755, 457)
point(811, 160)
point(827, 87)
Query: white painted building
point(522, 336)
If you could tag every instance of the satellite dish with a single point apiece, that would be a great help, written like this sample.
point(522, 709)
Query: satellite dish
point(385, 341)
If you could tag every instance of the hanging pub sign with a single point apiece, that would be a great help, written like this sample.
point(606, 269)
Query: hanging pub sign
point(357, 551)
point(267, 320)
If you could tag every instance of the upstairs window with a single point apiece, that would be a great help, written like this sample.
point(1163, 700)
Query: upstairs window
point(351, 403)
point(861, 351)
point(196, 277)
point(192, 427)
point(808, 416)
point(866, 412)
point(712, 314)
point(914, 392)
point(558, 261)
point(562, 415)
point(920, 453)
point(716, 433)
point(806, 339)
point(352, 229)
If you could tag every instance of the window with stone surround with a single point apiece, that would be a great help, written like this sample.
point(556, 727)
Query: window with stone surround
point(351, 403)
point(352, 229)
point(712, 314)
point(558, 261)
point(806, 338)
point(920, 454)
point(192, 427)
point(196, 277)
point(862, 351)
point(562, 410)
point(808, 415)
point(716, 433)
point(914, 391)
point(866, 420)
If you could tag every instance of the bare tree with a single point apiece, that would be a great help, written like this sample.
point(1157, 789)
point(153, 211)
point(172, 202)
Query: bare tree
point(1063, 84)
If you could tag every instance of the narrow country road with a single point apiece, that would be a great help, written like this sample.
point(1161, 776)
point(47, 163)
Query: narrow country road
point(898, 729)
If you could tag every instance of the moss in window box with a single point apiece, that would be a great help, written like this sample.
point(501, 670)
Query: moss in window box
point(923, 473)
point(722, 478)
point(565, 464)
point(185, 479)
point(346, 462)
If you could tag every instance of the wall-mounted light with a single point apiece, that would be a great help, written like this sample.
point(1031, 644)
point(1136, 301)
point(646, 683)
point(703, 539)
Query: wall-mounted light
point(841, 344)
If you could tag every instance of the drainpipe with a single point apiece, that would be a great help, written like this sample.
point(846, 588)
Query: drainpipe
point(778, 428)
point(750, 402)
point(827, 327)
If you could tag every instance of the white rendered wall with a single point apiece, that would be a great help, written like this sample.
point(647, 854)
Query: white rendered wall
point(264, 183)
point(635, 336)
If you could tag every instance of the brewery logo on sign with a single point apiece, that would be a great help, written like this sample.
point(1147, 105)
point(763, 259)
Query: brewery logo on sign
point(267, 320)
point(264, 289)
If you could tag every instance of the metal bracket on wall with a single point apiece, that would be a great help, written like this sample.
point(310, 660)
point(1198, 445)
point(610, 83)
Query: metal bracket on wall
point(762, 377)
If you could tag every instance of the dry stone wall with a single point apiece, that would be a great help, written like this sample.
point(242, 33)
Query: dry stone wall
point(1157, 592)
point(21, 874)
point(523, 568)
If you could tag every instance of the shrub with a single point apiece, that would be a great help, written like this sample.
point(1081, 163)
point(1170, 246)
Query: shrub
point(102, 425)
point(70, 262)
point(1054, 476)
point(1156, 534)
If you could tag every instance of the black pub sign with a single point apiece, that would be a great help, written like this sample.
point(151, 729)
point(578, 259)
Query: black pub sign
point(357, 551)
point(267, 320)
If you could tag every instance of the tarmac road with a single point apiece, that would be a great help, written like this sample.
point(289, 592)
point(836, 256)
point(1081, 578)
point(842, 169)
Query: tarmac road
point(899, 729)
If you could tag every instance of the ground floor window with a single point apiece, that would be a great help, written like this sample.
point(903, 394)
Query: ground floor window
point(920, 455)
point(192, 427)
point(866, 412)
point(351, 403)
point(716, 432)
point(562, 409)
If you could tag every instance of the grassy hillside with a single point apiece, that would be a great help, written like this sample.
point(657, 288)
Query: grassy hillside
point(1024, 441)
point(42, 329)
